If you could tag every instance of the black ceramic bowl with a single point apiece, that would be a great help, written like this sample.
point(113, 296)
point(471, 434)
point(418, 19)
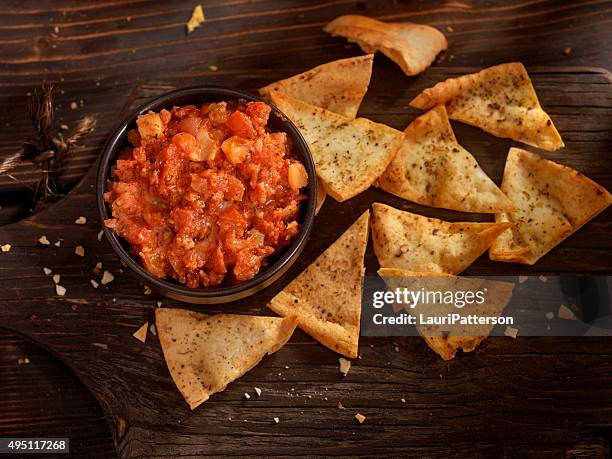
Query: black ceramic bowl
point(277, 264)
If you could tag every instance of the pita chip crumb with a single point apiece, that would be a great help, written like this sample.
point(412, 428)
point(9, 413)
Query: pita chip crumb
point(79, 250)
point(403, 400)
point(147, 290)
point(43, 240)
point(341, 406)
point(107, 278)
point(61, 291)
point(550, 315)
point(345, 366)
point(196, 20)
point(566, 313)
point(56, 278)
point(100, 234)
point(360, 417)
point(47, 271)
point(6, 247)
point(57, 243)
point(523, 279)
point(258, 391)
point(153, 330)
point(94, 283)
point(141, 333)
point(543, 279)
point(247, 396)
point(276, 420)
point(81, 220)
point(511, 332)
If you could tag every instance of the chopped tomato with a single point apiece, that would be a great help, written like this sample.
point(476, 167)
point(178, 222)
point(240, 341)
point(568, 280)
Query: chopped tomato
point(241, 125)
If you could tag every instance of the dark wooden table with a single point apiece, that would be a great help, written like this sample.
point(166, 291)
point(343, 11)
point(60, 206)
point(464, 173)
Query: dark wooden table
point(544, 397)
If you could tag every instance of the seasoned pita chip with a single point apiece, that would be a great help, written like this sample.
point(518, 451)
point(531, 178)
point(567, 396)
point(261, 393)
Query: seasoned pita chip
point(447, 339)
point(499, 100)
point(326, 297)
point(338, 86)
point(432, 169)
point(411, 46)
point(205, 353)
point(350, 154)
point(552, 202)
point(408, 241)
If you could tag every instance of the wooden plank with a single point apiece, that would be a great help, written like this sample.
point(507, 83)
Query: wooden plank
point(544, 397)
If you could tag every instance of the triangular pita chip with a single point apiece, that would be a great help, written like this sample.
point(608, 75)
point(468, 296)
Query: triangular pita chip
point(432, 169)
point(338, 86)
point(411, 46)
point(204, 353)
point(349, 154)
point(446, 340)
point(326, 296)
point(499, 100)
point(409, 241)
point(552, 202)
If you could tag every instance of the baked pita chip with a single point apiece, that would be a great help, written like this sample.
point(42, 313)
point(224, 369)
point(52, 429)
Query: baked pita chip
point(411, 46)
point(552, 202)
point(499, 100)
point(350, 154)
point(409, 241)
point(432, 169)
point(446, 340)
point(204, 353)
point(326, 297)
point(338, 86)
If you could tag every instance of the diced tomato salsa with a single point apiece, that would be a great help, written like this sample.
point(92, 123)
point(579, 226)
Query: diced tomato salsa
point(205, 194)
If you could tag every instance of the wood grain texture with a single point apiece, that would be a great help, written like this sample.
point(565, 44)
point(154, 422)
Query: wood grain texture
point(43, 398)
point(544, 397)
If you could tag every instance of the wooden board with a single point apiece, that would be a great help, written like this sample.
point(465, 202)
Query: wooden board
point(538, 396)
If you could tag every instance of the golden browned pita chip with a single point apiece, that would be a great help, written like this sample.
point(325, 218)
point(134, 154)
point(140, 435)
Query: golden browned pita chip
point(411, 46)
point(409, 241)
point(338, 86)
point(204, 353)
point(552, 202)
point(349, 154)
point(499, 100)
point(446, 340)
point(432, 169)
point(326, 296)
